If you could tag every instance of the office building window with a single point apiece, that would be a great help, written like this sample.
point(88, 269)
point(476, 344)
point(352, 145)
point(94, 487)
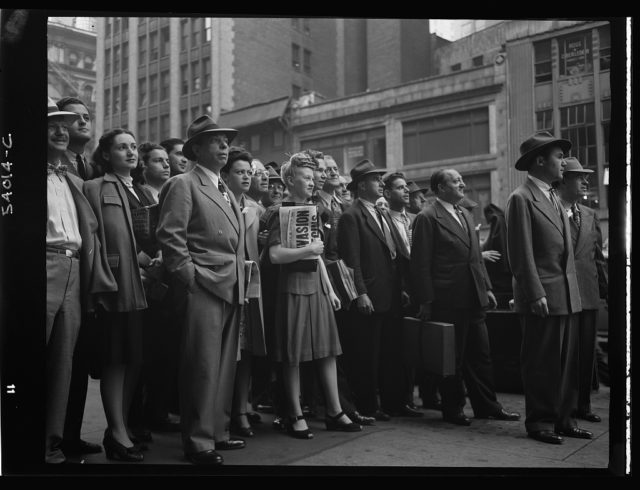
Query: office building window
point(164, 42)
point(542, 61)
point(73, 59)
point(447, 136)
point(107, 102)
point(164, 126)
point(456, 67)
point(477, 61)
point(604, 33)
point(88, 62)
point(306, 27)
point(576, 57)
point(206, 73)
point(184, 79)
point(184, 34)
point(87, 93)
point(295, 23)
point(116, 59)
point(116, 26)
point(125, 56)
point(207, 29)
point(107, 27)
point(142, 91)
point(153, 89)
point(578, 125)
point(296, 91)
point(153, 129)
point(125, 97)
point(278, 138)
point(195, 76)
point(195, 112)
point(164, 85)
point(116, 100)
point(307, 61)
point(195, 31)
point(153, 46)
point(544, 121)
point(56, 53)
point(295, 56)
point(107, 62)
point(142, 131)
point(142, 50)
point(255, 142)
point(606, 120)
point(184, 122)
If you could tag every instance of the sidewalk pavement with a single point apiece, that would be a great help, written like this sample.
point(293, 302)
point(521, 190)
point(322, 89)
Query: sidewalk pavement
point(423, 443)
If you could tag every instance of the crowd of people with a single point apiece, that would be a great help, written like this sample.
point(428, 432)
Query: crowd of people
point(168, 281)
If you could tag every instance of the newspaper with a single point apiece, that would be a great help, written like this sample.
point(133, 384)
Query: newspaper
point(298, 226)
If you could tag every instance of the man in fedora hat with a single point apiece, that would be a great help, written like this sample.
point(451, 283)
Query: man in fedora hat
point(368, 243)
point(451, 284)
point(416, 197)
point(76, 267)
point(201, 232)
point(591, 272)
point(545, 291)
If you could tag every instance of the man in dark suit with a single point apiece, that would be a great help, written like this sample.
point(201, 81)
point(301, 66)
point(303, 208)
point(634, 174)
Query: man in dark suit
point(545, 291)
point(451, 285)
point(201, 232)
point(76, 268)
point(367, 242)
point(591, 272)
point(77, 164)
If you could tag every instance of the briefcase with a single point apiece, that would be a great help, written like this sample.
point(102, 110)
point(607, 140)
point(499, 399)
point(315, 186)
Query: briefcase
point(430, 345)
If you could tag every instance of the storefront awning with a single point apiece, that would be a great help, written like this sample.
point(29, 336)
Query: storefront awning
point(255, 114)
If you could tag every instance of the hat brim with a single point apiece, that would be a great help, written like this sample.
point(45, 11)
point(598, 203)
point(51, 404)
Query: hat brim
point(583, 171)
point(188, 145)
point(351, 185)
point(69, 117)
point(524, 162)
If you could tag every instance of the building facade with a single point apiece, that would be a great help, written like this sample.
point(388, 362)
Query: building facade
point(71, 59)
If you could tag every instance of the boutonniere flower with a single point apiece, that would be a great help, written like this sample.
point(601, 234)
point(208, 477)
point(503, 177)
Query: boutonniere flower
point(245, 210)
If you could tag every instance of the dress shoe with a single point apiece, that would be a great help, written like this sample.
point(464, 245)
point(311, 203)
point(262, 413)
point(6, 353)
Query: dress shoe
point(237, 428)
point(457, 419)
point(298, 434)
point(116, 451)
point(361, 419)
point(334, 423)
point(278, 423)
point(588, 416)
point(407, 411)
point(575, 432)
point(209, 457)
point(230, 444)
point(79, 446)
point(379, 415)
point(547, 436)
point(501, 414)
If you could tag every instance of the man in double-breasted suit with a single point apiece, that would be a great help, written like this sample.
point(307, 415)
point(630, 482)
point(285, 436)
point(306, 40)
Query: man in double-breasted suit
point(201, 232)
point(545, 291)
point(591, 272)
point(367, 242)
point(76, 269)
point(451, 284)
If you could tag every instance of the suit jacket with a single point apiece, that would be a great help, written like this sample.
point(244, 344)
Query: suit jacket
point(95, 274)
point(363, 247)
point(202, 238)
point(590, 263)
point(107, 198)
point(91, 171)
point(446, 263)
point(540, 252)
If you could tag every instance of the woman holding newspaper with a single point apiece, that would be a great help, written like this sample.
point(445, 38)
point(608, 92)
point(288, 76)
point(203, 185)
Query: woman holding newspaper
point(305, 324)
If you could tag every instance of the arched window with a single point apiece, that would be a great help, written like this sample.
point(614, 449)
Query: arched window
point(73, 58)
point(87, 93)
point(88, 62)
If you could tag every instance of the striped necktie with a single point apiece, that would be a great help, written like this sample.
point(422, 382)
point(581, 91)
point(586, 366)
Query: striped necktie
point(463, 222)
point(224, 192)
point(577, 217)
point(407, 228)
point(554, 200)
point(386, 232)
point(82, 171)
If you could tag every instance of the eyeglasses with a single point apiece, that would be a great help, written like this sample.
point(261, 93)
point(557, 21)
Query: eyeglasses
point(259, 173)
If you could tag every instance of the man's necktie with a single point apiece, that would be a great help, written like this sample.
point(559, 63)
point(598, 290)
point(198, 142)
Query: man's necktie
point(224, 193)
point(57, 169)
point(82, 171)
point(407, 228)
point(554, 199)
point(577, 217)
point(463, 222)
point(387, 234)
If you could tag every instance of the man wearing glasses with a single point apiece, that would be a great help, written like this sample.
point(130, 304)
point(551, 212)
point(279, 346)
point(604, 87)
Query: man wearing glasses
point(259, 183)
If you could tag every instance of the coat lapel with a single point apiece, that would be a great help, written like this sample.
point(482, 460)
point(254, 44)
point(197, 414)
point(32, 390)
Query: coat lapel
point(586, 223)
point(450, 223)
point(209, 190)
point(375, 227)
point(543, 204)
point(123, 197)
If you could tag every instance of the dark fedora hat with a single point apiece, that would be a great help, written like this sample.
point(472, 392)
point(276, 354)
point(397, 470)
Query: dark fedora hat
point(363, 168)
point(574, 166)
point(535, 144)
point(413, 187)
point(203, 125)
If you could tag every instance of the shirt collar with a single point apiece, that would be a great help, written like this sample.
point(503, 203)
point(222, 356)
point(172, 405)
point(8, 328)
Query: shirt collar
point(543, 186)
point(128, 181)
point(368, 205)
point(214, 178)
point(447, 205)
point(72, 155)
point(397, 214)
point(325, 196)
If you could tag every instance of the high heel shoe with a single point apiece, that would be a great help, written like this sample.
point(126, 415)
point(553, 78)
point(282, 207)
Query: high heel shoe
point(333, 423)
point(298, 434)
point(116, 451)
point(237, 429)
